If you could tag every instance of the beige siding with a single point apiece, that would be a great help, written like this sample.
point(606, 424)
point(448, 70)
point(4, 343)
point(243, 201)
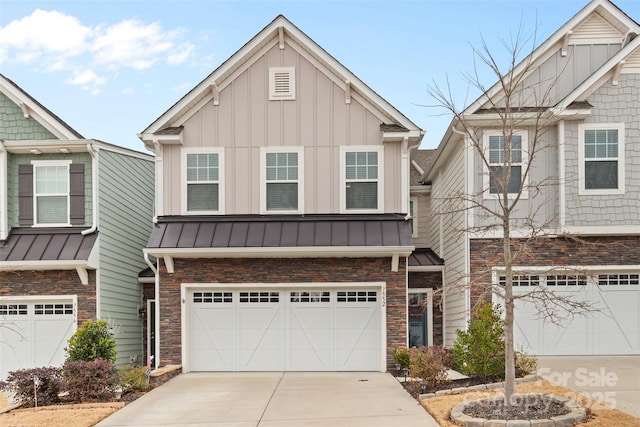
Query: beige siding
point(450, 242)
point(318, 119)
point(423, 221)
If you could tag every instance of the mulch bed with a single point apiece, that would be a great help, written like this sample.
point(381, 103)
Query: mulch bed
point(415, 388)
point(538, 409)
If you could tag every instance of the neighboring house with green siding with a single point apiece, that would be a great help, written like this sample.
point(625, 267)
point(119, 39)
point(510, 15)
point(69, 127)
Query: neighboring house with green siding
point(74, 216)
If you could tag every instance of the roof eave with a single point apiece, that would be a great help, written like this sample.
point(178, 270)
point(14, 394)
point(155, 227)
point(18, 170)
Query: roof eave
point(283, 252)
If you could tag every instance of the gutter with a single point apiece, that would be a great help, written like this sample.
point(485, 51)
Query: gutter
point(93, 152)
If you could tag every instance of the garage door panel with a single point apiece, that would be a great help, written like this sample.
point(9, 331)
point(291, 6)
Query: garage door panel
point(53, 335)
point(209, 346)
point(302, 330)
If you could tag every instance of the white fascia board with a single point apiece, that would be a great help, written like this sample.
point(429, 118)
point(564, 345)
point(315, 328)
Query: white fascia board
point(568, 268)
point(79, 266)
point(283, 252)
point(425, 268)
point(600, 76)
point(163, 139)
point(47, 146)
point(603, 230)
point(399, 136)
point(37, 112)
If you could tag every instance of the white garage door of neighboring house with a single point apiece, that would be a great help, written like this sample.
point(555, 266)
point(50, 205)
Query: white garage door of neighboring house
point(285, 329)
point(34, 333)
point(613, 329)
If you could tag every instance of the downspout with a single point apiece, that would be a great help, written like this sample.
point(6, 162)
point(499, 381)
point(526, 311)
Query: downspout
point(94, 190)
point(4, 231)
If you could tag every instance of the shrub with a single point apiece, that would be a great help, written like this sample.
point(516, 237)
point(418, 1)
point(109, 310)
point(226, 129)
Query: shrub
point(480, 349)
point(427, 363)
point(93, 340)
point(89, 381)
point(21, 383)
point(133, 379)
point(525, 364)
point(401, 356)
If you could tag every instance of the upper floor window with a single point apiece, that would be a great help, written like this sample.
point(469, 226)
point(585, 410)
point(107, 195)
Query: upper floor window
point(601, 158)
point(506, 163)
point(203, 171)
point(361, 179)
point(51, 192)
point(282, 187)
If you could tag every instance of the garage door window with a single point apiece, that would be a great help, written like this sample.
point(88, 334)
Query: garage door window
point(310, 296)
point(520, 280)
point(212, 297)
point(618, 279)
point(259, 296)
point(13, 309)
point(562, 280)
point(357, 296)
point(61, 309)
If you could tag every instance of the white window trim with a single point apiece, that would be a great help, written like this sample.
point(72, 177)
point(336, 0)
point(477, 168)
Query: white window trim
point(343, 181)
point(40, 163)
point(263, 179)
point(485, 169)
point(221, 180)
point(284, 96)
point(621, 158)
point(414, 216)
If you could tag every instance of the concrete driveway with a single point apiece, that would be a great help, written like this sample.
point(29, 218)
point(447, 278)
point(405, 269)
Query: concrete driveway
point(276, 399)
point(613, 380)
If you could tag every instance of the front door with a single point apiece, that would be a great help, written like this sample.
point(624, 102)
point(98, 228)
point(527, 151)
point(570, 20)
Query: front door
point(420, 313)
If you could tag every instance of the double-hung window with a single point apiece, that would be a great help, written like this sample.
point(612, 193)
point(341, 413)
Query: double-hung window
point(203, 181)
point(282, 183)
point(51, 192)
point(361, 173)
point(601, 158)
point(506, 163)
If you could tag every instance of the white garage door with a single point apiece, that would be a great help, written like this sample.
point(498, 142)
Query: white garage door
point(285, 330)
point(614, 329)
point(34, 333)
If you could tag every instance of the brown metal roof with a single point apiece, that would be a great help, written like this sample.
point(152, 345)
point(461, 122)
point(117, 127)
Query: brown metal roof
point(424, 257)
point(47, 244)
point(256, 231)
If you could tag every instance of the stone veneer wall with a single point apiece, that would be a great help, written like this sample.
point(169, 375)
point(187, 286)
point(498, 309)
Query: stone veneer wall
point(57, 282)
point(277, 270)
point(432, 280)
point(551, 252)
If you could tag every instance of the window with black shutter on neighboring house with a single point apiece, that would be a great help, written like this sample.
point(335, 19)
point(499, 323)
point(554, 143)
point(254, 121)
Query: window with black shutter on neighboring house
point(51, 193)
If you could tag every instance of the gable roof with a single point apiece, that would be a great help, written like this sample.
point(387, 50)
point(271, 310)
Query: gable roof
point(606, 12)
point(32, 108)
point(273, 34)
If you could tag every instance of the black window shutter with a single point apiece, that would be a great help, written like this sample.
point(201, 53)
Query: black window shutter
point(76, 193)
point(25, 194)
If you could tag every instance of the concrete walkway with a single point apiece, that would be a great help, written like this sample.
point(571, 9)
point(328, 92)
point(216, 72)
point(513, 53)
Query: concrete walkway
point(612, 380)
point(268, 399)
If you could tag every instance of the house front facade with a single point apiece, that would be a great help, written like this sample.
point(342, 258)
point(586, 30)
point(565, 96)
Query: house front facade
point(74, 214)
point(281, 239)
point(578, 108)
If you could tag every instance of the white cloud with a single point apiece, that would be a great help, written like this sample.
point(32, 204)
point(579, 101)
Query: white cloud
point(59, 42)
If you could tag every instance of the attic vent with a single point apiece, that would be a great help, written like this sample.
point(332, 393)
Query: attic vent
point(282, 83)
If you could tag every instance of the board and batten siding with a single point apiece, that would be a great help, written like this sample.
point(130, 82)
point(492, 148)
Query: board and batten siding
point(450, 241)
point(318, 119)
point(125, 213)
point(14, 160)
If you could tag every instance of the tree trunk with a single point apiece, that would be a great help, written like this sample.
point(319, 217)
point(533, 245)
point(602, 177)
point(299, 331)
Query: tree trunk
point(509, 362)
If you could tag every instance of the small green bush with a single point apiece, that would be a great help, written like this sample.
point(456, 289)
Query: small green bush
point(480, 349)
point(401, 356)
point(93, 340)
point(21, 383)
point(133, 379)
point(525, 364)
point(92, 381)
point(427, 363)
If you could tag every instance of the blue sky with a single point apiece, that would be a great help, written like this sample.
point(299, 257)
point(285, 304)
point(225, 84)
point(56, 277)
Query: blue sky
point(109, 67)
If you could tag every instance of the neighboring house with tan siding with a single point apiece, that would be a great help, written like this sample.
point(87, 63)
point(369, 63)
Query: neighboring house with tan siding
point(593, 152)
point(282, 237)
point(74, 215)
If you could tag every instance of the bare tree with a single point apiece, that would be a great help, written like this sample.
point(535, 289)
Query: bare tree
point(515, 103)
